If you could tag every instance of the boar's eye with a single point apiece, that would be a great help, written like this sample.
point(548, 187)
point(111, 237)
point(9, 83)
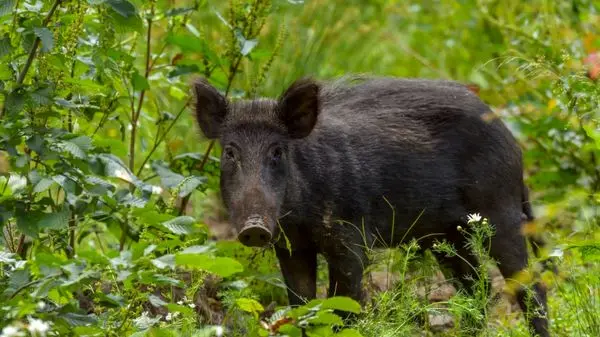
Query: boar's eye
point(229, 153)
point(276, 155)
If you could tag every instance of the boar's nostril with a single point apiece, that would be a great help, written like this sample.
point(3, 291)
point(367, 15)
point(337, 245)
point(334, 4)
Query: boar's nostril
point(254, 235)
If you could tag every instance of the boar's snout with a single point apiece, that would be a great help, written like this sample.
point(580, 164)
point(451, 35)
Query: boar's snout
point(255, 232)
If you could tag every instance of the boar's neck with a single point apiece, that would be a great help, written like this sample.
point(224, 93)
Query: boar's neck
point(323, 178)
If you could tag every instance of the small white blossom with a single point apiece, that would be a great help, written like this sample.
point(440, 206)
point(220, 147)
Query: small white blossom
point(168, 317)
point(474, 218)
point(37, 327)
point(219, 331)
point(180, 302)
point(192, 305)
point(11, 331)
point(41, 305)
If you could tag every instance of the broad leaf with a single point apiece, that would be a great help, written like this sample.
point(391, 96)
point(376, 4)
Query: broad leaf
point(123, 7)
point(5, 46)
point(56, 220)
point(46, 38)
point(342, 304)
point(180, 225)
point(222, 266)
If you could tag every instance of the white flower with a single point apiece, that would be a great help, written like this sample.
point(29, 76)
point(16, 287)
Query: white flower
point(11, 331)
point(37, 327)
point(192, 305)
point(41, 305)
point(473, 218)
point(180, 302)
point(168, 317)
point(219, 331)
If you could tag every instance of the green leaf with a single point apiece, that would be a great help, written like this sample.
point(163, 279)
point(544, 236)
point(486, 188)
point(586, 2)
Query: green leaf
point(56, 220)
point(43, 185)
point(222, 266)
point(168, 178)
point(70, 147)
point(125, 24)
point(46, 37)
point(123, 7)
point(328, 318)
point(28, 224)
point(348, 333)
point(6, 257)
point(139, 82)
point(249, 305)
point(83, 142)
point(189, 184)
point(342, 304)
point(246, 46)
point(164, 261)
point(178, 71)
point(7, 6)
point(5, 46)
point(42, 96)
point(186, 42)
point(74, 319)
point(181, 225)
point(156, 301)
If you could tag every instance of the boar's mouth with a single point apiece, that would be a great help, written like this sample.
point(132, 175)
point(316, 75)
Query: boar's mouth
point(256, 231)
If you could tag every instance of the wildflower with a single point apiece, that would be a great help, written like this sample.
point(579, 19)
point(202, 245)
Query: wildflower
point(180, 302)
point(459, 228)
point(11, 331)
point(473, 218)
point(219, 331)
point(41, 305)
point(192, 305)
point(37, 327)
point(168, 317)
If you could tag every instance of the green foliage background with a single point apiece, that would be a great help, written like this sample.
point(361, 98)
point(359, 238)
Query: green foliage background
point(107, 186)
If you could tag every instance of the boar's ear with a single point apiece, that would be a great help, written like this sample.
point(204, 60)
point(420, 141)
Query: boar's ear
point(299, 107)
point(210, 107)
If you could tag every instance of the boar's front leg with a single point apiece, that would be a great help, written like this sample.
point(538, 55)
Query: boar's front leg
point(346, 267)
point(299, 269)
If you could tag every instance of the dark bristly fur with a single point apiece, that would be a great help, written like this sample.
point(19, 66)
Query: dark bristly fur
point(342, 151)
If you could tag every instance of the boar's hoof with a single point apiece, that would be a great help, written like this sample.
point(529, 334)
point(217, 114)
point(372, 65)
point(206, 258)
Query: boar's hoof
point(254, 235)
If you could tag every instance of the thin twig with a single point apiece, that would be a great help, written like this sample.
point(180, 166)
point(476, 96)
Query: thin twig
point(136, 113)
point(162, 137)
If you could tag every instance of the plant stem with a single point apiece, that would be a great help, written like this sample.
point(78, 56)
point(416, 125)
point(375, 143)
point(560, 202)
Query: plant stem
point(163, 136)
point(21, 246)
point(135, 114)
point(32, 52)
point(72, 227)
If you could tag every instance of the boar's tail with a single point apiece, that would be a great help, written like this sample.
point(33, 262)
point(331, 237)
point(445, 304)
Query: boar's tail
point(535, 240)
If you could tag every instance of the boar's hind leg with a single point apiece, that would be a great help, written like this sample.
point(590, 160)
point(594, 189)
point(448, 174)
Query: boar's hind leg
point(509, 249)
point(462, 271)
point(299, 271)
